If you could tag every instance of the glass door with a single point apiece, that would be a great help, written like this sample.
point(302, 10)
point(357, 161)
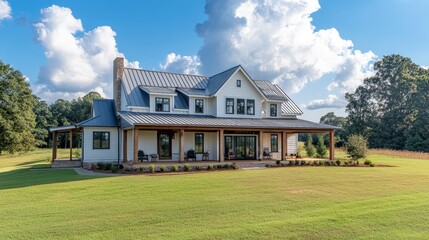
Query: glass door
point(250, 147)
point(164, 145)
point(240, 147)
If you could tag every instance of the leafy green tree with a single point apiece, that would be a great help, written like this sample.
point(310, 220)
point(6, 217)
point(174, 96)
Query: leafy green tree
point(44, 121)
point(321, 147)
point(309, 147)
point(381, 108)
point(356, 147)
point(17, 119)
point(340, 134)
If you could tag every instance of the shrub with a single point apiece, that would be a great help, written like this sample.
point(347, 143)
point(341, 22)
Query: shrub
point(296, 162)
point(278, 162)
point(186, 167)
point(367, 162)
point(209, 167)
point(338, 162)
point(100, 165)
point(309, 147)
point(226, 166)
point(174, 168)
point(235, 166)
point(121, 166)
point(356, 147)
point(141, 169)
point(162, 169)
point(267, 165)
point(321, 147)
point(107, 166)
point(114, 169)
point(300, 152)
point(302, 163)
point(321, 162)
point(214, 167)
point(372, 165)
point(197, 167)
point(152, 168)
point(290, 162)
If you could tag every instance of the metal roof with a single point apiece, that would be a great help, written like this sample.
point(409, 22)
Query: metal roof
point(289, 107)
point(158, 90)
point(270, 91)
point(216, 81)
point(156, 119)
point(104, 114)
point(193, 91)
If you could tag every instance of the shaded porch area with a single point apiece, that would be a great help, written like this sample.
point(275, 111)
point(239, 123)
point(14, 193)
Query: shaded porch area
point(74, 155)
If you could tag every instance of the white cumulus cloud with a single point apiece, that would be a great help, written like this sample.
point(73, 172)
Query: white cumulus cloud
point(75, 65)
point(276, 40)
point(181, 64)
point(332, 101)
point(5, 10)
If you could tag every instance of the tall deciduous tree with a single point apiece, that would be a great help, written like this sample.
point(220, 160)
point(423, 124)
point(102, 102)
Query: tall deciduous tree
point(381, 108)
point(17, 119)
point(44, 121)
point(340, 134)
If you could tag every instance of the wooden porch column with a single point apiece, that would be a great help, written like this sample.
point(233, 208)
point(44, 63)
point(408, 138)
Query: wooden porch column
point(124, 146)
point(261, 145)
point(71, 144)
point(54, 145)
point(221, 146)
point(331, 145)
point(181, 145)
point(136, 145)
point(284, 145)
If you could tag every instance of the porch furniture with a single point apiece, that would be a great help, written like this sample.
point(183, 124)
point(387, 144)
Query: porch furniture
point(154, 157)
point(141, 156)
point(206, 155)
point(230, 154)
point(291, 156)
point(191, 155)
point(267, 154)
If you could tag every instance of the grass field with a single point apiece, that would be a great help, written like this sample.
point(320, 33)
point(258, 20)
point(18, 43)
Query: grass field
point(276, 203)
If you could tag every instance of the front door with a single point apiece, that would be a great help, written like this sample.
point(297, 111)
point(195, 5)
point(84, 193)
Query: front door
point(164, 145)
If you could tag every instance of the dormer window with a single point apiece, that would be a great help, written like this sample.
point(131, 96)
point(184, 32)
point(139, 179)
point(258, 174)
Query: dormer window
point(199, 106)
point(162, 104)
point(238, 83)
point(273, 110)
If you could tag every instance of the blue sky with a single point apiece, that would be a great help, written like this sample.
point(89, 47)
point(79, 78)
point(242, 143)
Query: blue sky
point(316, 50)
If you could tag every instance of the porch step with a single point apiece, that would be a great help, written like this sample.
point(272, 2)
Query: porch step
point(65, 164)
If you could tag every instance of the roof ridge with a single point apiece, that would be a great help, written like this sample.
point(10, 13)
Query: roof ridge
point(225, 70)
point(139, 69)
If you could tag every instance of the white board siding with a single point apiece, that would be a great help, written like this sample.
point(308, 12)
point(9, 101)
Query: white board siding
point(100, 155)
point(246, 91)
point(292, 144)
point(266, 143)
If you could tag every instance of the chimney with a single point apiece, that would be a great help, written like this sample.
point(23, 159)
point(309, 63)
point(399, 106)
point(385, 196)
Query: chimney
point(118, 71)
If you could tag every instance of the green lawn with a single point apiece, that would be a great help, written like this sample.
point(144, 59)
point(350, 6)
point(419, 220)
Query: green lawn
point(276, 203)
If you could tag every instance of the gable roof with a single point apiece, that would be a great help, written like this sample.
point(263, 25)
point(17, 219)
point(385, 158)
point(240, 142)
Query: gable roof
point(217, 81)
point(103, 114)
point(270, 91)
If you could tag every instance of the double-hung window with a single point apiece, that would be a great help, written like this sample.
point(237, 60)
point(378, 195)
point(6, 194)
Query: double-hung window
point(101, 140)
point(230, 106)
point(250, 107)
point(199, 106)
point(162, 104)
point(240, 106)
point(273, 110)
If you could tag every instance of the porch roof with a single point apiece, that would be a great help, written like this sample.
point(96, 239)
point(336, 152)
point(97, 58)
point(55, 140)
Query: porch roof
point(206, 121)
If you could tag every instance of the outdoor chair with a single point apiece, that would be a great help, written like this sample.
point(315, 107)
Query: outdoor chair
point(267, 154)
point(154, 157)
point(230, 154)
point(141, 156)
point(191, 155)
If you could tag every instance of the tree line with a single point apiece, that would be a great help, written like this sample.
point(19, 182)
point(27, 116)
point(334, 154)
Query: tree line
point(25, 119)
point(390, 109)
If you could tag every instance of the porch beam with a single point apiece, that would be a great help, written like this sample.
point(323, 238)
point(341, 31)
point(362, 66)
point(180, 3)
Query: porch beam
point(54, 145)
point(216, 128)
point(136, 145)
point(124, 145)
point(181, 145)
point(221, 146)
point(331, 145)
point(71, 144)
